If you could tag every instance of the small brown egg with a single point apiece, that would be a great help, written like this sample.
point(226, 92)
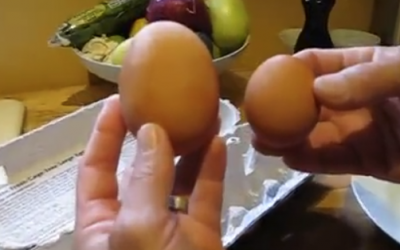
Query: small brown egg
point(279, 102)
point(168, 78)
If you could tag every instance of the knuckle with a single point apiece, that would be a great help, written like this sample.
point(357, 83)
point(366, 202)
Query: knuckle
point(142, 172)
point(126, 232)
point(133, 230)
point(308, 53)
point(143, 169)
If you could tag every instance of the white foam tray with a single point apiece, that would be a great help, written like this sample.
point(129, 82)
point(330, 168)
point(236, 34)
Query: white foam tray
point(37, 198)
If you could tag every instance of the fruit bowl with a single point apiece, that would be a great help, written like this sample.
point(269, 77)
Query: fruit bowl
point(110, 72)
point(341, 38)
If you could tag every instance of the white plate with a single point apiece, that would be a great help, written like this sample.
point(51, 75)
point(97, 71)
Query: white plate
point(381, 202)
point(341, 38)
point(346, 38)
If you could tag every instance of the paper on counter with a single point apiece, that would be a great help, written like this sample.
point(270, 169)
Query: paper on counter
point(3, 177)
point(40, 207)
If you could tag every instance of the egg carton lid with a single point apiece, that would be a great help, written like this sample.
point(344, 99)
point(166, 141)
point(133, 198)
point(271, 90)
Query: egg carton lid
point(38, 192)
point(24, 181)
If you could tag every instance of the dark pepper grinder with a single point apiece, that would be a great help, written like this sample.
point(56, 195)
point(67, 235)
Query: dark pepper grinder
point(315, 32)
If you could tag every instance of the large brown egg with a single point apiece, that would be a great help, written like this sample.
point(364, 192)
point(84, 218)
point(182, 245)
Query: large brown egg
point(279, 102)
point(168, 78)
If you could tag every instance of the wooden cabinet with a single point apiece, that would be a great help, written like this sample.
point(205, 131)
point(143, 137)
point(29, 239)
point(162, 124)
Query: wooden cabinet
point(386, 21)
point(396, 36)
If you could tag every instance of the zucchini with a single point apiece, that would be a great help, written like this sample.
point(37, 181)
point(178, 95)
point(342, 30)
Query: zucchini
point(106, 18)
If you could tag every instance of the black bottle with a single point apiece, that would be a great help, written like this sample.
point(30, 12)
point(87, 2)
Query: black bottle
point(315, 32)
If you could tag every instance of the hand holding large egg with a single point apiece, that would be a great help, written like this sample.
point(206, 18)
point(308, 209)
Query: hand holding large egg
point(168, 78)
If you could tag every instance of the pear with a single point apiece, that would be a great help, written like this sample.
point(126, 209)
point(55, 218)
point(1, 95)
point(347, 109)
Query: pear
point(137, 26)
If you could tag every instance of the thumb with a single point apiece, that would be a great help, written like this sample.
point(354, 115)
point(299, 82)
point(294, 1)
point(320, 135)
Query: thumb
point(359, 85)
point(152, 176)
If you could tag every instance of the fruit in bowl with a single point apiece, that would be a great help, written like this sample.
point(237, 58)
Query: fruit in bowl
point(110, 72)
point(222, 25)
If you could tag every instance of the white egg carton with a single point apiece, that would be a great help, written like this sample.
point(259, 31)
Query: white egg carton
point(37, 195)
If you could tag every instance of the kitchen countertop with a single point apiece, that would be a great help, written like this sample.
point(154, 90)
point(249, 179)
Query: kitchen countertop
point(314, 218)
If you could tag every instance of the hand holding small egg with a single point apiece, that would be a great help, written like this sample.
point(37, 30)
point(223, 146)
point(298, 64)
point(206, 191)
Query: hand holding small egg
point(280, 104)
point(356, 131)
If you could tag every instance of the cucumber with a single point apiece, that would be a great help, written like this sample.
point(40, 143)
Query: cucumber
point(105, 18)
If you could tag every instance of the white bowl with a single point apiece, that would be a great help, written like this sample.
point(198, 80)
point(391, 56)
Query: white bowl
point(345, 38)
point(341, 38)
point(289, 37)
point(110, 72)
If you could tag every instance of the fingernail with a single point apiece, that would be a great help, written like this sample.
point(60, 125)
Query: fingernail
point(108, 103)
point(325, 85)
point(111, 99)
point(148, 137)
point(330, 90)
